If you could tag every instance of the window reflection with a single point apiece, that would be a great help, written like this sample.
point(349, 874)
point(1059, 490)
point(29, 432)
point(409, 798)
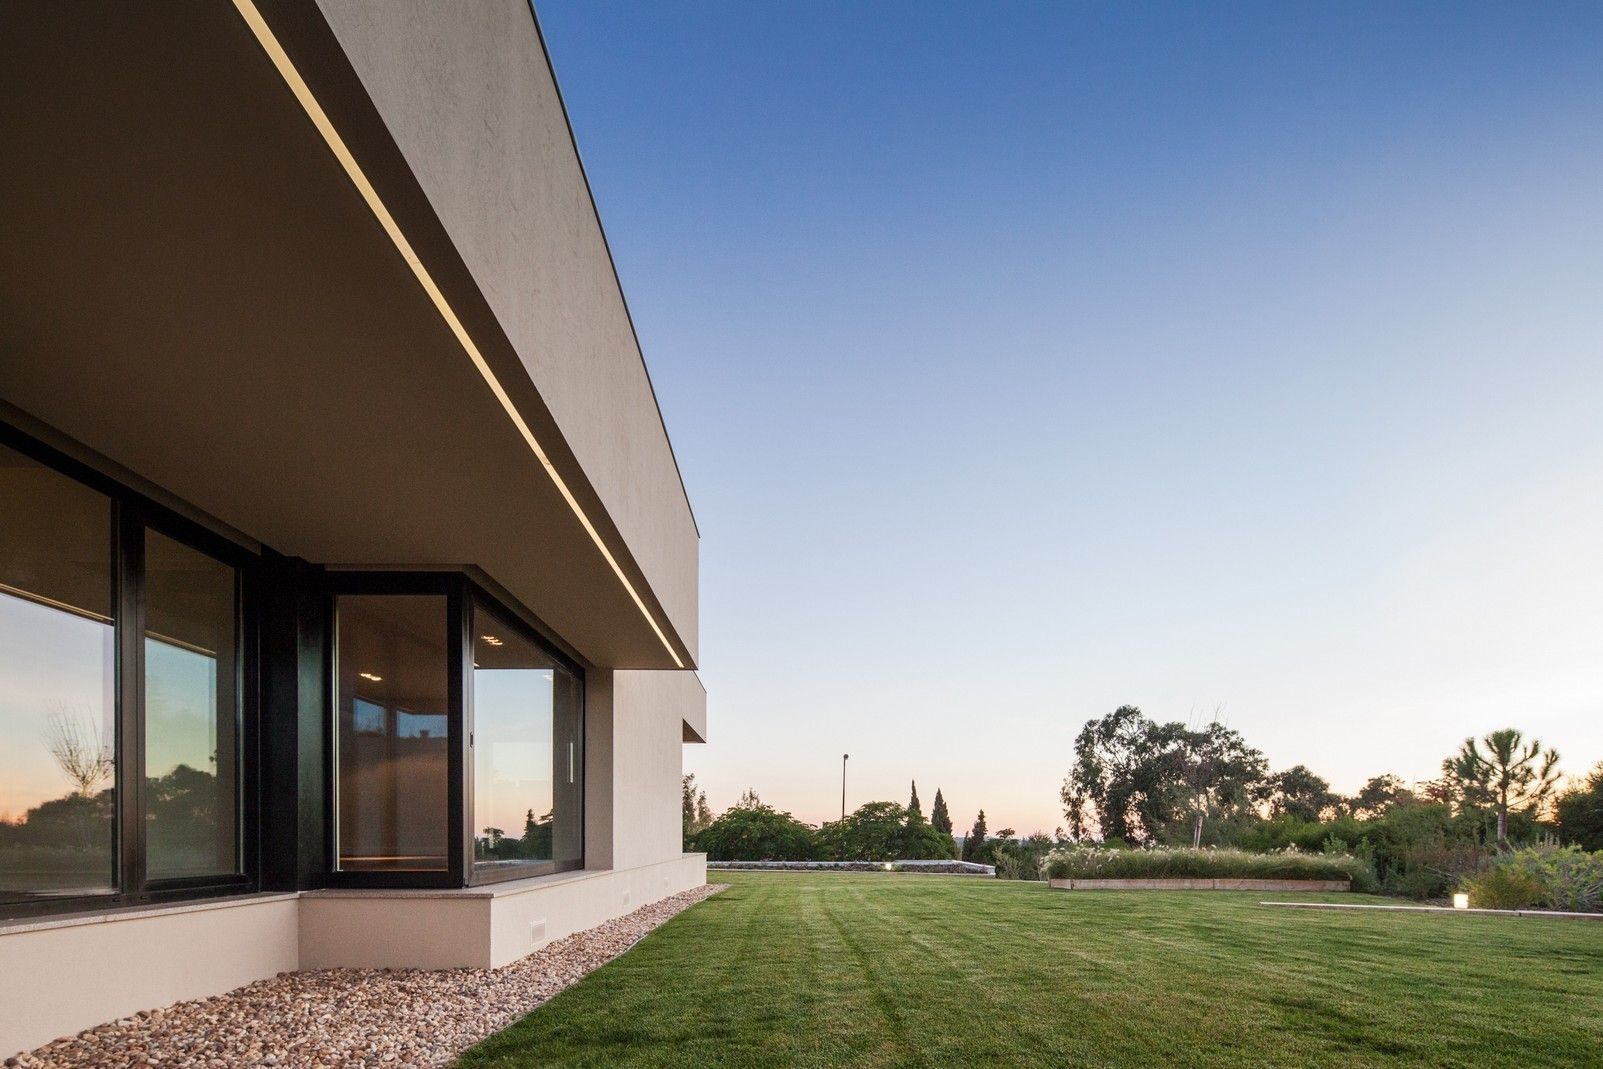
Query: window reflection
point(392, 732)
point(191, 713)
point(57, 679)
point(525, 750)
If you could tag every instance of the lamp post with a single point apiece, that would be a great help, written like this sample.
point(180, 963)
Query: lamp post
point(843, 758)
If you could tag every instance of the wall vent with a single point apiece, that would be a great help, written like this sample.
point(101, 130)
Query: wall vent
point(537, 933)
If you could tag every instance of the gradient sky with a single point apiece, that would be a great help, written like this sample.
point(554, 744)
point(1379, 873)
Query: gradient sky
point(1028, 360)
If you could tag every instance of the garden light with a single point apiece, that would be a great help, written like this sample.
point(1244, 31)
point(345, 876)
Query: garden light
point(1461, 901)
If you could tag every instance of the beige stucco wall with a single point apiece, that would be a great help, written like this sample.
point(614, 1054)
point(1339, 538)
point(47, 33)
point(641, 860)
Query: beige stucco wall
point(379, 930)
point(477, 928)
point(648, 712)
point(60, 977)
point(523, 921)
point(466, 93)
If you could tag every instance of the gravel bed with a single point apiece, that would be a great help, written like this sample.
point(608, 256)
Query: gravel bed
point(349, 1018)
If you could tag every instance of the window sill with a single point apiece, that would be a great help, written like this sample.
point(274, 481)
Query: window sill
point(126, 913)
point(483, 890)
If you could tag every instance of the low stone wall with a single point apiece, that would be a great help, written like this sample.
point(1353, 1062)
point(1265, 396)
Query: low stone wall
point(1077, 884)
point(940, 868)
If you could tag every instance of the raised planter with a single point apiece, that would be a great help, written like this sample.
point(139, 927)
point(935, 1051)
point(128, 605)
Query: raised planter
point(1200, 884)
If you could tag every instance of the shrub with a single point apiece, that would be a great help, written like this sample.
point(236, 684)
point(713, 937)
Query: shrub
point(1419, 883)
point(1580, 812)
point(1571, 879)
point(1020, 859)
point(757, 833)
point(1083, 863)
point(1430, 871)
point(1505, 886)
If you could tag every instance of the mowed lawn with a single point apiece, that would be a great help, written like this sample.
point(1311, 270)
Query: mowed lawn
point(861, 970)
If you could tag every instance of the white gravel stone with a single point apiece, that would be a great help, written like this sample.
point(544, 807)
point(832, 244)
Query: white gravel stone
point(353, 1018)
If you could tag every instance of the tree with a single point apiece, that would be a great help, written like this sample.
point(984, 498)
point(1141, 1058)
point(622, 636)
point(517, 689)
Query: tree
point(1143, 782)
point(1220, 773)
point(1580, 811)
point(940, 819)
point(757, 833)
point(1377, 796)
point(696, 816)
point(1509, 774)
point(1298, 793)
point(883, 831)
point(974, 844)
point(1124, 769)
point(749, 799)
point(79, 750)
point(537, 834)
point(912, 803)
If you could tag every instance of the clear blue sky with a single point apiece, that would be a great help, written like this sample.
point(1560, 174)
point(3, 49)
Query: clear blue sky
point(1028, 360)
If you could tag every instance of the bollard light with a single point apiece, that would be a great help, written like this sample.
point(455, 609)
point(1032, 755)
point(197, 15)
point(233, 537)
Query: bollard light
point(1461, 901)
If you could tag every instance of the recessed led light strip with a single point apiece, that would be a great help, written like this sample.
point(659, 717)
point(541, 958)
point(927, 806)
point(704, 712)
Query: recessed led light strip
point(314, 111)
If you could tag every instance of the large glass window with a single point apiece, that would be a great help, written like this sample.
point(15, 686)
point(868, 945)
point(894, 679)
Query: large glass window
point(527, 761)
point(57, 685)
point(191, 712)
point(392, 732)
point(120, 667)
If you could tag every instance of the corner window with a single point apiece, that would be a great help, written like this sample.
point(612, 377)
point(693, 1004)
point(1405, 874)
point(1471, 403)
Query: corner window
point(458, 737)
point(392, 735)
point(527, 755)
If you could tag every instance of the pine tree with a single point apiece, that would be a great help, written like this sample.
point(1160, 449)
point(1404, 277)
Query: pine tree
point(913, 808)
point(940, 819)
point(974, 845)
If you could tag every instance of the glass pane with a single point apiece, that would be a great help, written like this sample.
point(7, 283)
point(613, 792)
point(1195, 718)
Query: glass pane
point(524, 750)
point(392, 734)
point(57, 685)
point(191, 713)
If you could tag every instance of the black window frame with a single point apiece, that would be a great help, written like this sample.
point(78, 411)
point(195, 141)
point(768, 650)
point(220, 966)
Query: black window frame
point(460, 592)
point(132, 514)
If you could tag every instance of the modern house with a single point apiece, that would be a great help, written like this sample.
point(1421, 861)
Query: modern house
point(348, 585)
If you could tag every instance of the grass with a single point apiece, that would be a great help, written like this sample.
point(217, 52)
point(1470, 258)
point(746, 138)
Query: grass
point(1203, 864)
point(798, 969)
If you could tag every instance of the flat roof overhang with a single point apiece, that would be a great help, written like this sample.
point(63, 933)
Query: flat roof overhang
point(192, 286)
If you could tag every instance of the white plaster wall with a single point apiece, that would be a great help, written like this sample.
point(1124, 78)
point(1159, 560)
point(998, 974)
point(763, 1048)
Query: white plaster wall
point(478, 928)
point(466, 93)
point(576, 904)
point(59, 978)
point(648, 711)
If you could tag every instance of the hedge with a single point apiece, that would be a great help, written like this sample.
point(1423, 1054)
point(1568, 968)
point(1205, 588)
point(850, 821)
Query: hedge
point(1096, 863)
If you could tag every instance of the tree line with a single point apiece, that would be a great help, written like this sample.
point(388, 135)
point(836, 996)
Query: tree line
point(1138, 782)
point(751, 830)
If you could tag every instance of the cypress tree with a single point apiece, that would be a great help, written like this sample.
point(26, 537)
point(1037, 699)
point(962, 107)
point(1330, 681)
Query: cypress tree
point(940, 819)
point(974, 845)
point(913, 808)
